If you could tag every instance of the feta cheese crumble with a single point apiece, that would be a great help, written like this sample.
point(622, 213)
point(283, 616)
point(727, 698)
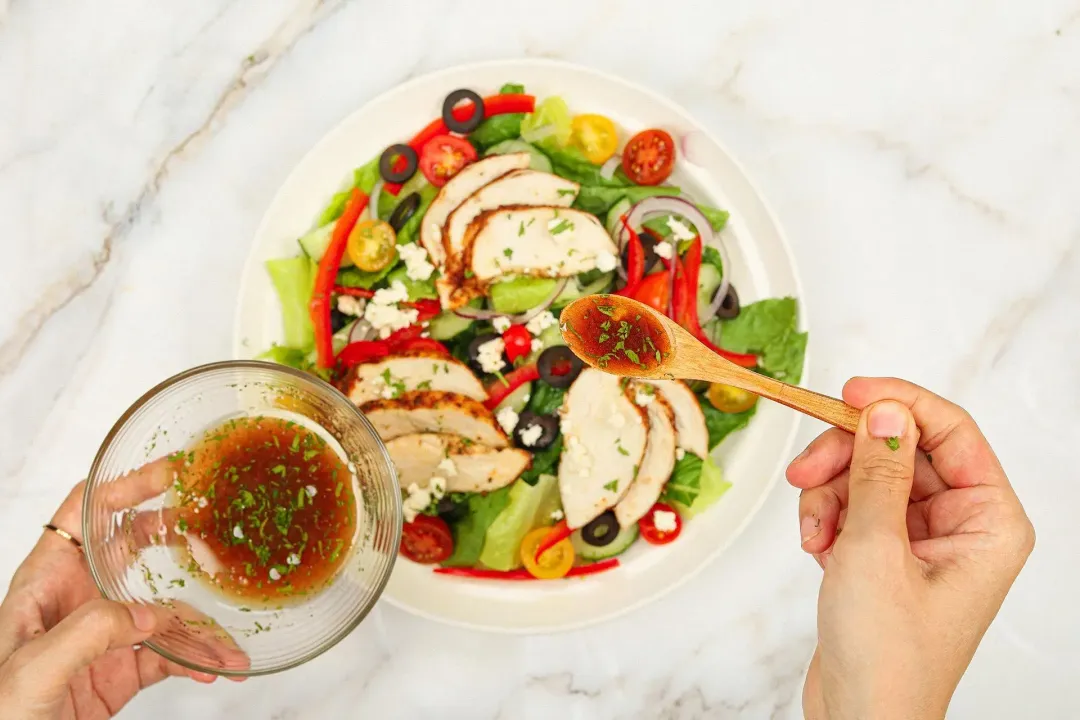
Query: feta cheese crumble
point(293, 559)
point(536, 345)
point(274, 574)
point(665, 521)
point(643, 397)
point(384, 314)
point(238, 532)
point(557, 515)
point(349, 305)
point(501, 324)
point(664, 249)
point(680, 231)
point(530, 435)
point(311, 490)
point(416, 502)
point(508, 419)
point(490, 355)
point(417, 266)
point(540, 323)
point(679, 453)
point(605, 261)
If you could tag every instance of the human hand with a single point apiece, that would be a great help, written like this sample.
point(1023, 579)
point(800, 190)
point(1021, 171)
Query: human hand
point(65, 652)
point(931, 543)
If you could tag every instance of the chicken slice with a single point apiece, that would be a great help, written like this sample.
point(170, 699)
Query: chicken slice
point(466, 466)
point(605, 436)
point(692, 434)
point(656, 464)
point(470, 179)
point(391, 376)
point(434, 411)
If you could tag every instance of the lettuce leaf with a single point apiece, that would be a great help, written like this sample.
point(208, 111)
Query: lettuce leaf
point(353, 277)
point(283, 355)
point(717, 218)
point(364, 177)
point(569, 162)
point(545, 399)
point(721, 424)
point(544, 462)
point(293, 279)
point(529, 506)
point(469, 532)
point(417, 289)
point(499, 128)
point(683, 486)
point(711, 487)
point(768, 328)
point(520, 294)
point(598, 200)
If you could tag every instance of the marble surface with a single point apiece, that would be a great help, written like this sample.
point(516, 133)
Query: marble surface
point(923, 157)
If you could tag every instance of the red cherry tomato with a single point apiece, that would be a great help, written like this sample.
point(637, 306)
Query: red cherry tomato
point(655, 291)
point(649, 157)
point(648, 528)
point(423, 344)
point(443, 157)
point(518, 342)
point(426, 540)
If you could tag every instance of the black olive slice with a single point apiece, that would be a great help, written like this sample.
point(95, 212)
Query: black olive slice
point(405, 210)
point(473, 352)
point(470, 123)
point(601, 531)
point(451, 511)
point(729, 307)
point(549, 430)
point(559, 366)
point(388, 160)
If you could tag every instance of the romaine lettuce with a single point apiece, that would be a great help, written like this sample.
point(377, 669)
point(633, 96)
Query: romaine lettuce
point(293, 279)
point(598, 200)
point(768, 327)
point(721, 424)
point(469, 532)
point(499, 128)
point(520, 294)
point(529, 506)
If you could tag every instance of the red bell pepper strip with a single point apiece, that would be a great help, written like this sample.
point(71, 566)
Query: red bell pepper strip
point(354, 292)
point(423, 343)
point(684, 305)
point(558, 532)
point(494, 105)
point(363, 351)
point(521, 574)
point(319, 306)
point(514, 379)
point(427, 309)
point(635, 261)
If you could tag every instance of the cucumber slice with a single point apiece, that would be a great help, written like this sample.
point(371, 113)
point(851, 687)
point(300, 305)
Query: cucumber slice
point(708, 282)
point(517, 399)
point(314, 244)
point(623, 540)
point(448, 325)
point(617, 211)
point(539, 161)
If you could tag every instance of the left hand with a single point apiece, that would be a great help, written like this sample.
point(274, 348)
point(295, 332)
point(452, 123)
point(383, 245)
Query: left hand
point(65, 652)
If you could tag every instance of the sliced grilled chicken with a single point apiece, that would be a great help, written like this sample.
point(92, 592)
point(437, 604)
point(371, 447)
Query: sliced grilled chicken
point(692, 434)
point(656, 464)
point(516, 188)
point(466, 466)
point(470, 179)
point(433, 411)
point(391, 376)
point(605, 436)
point(550, 241)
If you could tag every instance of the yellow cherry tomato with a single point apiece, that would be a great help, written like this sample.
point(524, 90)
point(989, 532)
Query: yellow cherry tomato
point(372, 245)
point(596, 137)
point(554, 563)
point(726, 398)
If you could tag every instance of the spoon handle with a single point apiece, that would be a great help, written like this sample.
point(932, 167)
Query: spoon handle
point(835, 412)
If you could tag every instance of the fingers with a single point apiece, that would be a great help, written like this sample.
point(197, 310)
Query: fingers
point(819, 513)
point(154, 668)
point(48, 663)
point(882, 470)
point(143, 483)
point(961, 454)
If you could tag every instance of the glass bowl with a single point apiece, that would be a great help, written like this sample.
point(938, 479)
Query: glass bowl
point(140, 511)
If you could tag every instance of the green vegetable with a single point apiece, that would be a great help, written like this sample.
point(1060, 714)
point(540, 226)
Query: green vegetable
point(520, 294)
point(598, 200)
point(722, 424)
point(570, 163)
point(364, 177)
point(717, 218)
point(545, 399)
point(893, 443)
point(293, 280)
point(517, 399)
point(550, 114)
point(283, 355)
point(469, 532)
point(614, 216)
point(619, 545)
point(708, 282)
point(711, 487)
point(683, 486)
point(354, 277)
point(411, 229)
point(769, 328)
point(539, 161)
point(499, 128)
point(544, 462)
point(711, 256)
point(459, 344)
point(529, 506)
point(417, 289)
point(448, 324)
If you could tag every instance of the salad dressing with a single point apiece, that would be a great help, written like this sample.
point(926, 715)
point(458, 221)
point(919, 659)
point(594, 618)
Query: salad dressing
point(619, 338)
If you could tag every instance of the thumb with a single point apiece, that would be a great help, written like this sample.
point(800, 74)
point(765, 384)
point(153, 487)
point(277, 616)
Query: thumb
point(76, 641)
point(882, 469)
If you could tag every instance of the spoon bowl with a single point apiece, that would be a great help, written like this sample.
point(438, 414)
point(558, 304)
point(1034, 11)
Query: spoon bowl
point(625, 337)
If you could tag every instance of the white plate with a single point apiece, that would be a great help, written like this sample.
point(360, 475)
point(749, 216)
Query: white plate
point(763, 267)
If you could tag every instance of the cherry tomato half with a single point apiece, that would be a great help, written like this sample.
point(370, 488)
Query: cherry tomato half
point(655, 291)
point(649, 157)
point(426, 344)
point(596, 136)
point(372, 245)
point(518, 342)
point(654, 535)
point(426, 540)
point(443, 157)
point(555, 562)
point(726, 398)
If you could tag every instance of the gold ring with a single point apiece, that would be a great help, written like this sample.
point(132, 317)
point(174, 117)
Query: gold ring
point(64, 534)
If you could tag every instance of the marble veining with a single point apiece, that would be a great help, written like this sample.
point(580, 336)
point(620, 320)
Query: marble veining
point(923, 158)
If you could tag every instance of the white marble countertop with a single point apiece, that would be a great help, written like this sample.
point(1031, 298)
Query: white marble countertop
point(923, 157)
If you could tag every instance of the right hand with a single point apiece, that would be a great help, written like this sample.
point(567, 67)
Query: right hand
point(933, 538)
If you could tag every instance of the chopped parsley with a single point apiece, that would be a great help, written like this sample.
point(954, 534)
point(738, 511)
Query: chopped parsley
point(508, 252)
point(893, 443)
point(564, 192)
point(521, 228)
point(562, 226)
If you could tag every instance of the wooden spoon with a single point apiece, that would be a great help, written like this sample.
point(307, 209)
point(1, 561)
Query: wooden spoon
point(625, 337)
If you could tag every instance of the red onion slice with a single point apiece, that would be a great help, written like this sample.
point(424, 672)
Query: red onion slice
point(373, 199)
point(607, 170)
point(361, 331)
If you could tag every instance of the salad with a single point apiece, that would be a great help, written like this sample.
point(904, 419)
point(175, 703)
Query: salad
point(429, 290)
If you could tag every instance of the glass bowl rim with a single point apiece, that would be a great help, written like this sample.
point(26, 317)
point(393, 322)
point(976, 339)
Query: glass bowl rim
point(207, 368)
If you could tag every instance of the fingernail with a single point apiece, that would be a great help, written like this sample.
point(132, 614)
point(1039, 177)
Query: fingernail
point(887, 420)
point(143, 617)
point(809, 527)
